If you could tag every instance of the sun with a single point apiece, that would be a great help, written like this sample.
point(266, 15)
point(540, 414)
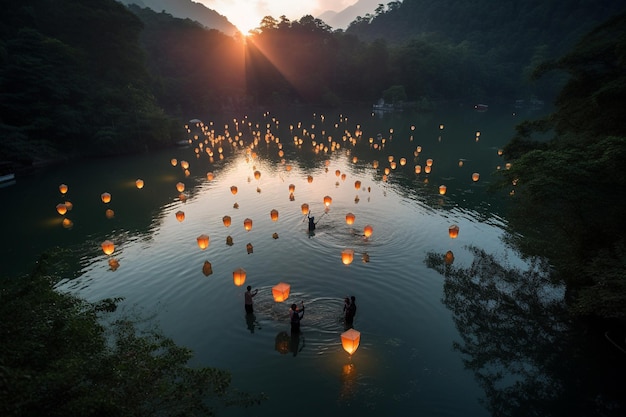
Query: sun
point(245, 22)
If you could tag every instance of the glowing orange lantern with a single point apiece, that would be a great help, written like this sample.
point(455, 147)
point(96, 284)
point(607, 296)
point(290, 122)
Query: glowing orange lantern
point(357, 185)
point(350, 218)
point(305, 209)
point(350, 340)
point(337, 173)
point(280, 292)
point(61, 209)
point(427, 169)
point(108, 247)
point(226, 220)
point(403, 161)
point(233, 190)
point(274, 215)
point(184, 164)
point(309, 179)
point(67, 223)
point(239, 276)
point(203, 241)
point(139, 184)
point(418, 169)
point(210, 176)
point(347, 256)
point(368, 230)
point(257, 175)
point(109, 214)
point(247, 224)
point(292, 188)
point(453, 231)
point(114, 264)
point(180, 215)
point(429, 162)
point(106, 197)
point(63, 188)
point(174, 162)
point(69, 205)
point(475, 176)
point(327, 201)
point(442, 189)
point(180, 187)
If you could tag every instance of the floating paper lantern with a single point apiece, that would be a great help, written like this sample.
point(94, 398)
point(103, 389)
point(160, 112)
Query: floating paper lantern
point(500, 152)
point(427, 169)
point(108, 247)
point(449, 257)
point(453, 231)
point(368, 230)
point(257, 175)
point(203, 241)
point(63, 188)
point(210, 176)
point(233, 189)
point(337, 173)
point(109, 214)
point(292, 188)
point(274, 235)
point(476, 176)
point(184, 164)
point(442, 189)
point(239, 276)
point(347, 256)
point(67, 223)
point(402, 161)
point(274, 215)
point(429, 162)
point(207, 268)
point(247, 224)
point(226, 220)
point(441, 127)
point(390, 158)
point(61, 209)
point(460, 162)
point(180, 215)
point(139, 183)
point(106, 197)
point(229, 240)
point(357, 185)
point(305, 209)
point(249, 248)
point(350, 218)
point(350, 340)
point(174, 162)
point(327, 201)
point(375, 164)
point(418, 169)
point(180, 187)
point(280, 292)
point(309, 179)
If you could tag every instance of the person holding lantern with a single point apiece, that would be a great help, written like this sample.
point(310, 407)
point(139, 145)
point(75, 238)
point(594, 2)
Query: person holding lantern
point(295, 317)
point(248, 299)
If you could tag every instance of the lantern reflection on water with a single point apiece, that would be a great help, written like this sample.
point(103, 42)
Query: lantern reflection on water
point(203, 241)
point(280, 292)
point(350, 340)
point(239, 276)
point(449, 257)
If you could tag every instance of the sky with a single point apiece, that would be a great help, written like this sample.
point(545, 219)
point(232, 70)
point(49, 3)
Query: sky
point(247, 14)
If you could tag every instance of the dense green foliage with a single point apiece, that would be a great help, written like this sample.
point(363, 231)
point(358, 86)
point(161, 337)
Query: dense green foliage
point(571, 190)
point(73, 82)
point(57, 359)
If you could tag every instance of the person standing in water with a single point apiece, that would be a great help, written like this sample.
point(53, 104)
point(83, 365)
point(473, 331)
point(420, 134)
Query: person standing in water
point(248, 299)
point(311, 223)
point(295, 317)
point(351, 312)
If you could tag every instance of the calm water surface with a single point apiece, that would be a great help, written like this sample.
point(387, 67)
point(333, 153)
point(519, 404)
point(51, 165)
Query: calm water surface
point(405, 362)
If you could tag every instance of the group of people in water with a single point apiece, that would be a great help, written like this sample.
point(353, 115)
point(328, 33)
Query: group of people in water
point(297, 314)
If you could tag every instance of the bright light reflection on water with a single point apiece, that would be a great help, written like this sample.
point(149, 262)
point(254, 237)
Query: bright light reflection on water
point(405, 362)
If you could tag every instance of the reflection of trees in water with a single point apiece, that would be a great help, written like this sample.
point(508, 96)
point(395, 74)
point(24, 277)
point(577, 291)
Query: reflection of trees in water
point(528, 354)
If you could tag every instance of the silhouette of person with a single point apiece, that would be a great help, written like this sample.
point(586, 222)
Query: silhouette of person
point(311, 223)
point(248, 299)
point(295, 317)
point(351, 312)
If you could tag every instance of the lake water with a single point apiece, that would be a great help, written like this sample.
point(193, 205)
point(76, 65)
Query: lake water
point(405, 363)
